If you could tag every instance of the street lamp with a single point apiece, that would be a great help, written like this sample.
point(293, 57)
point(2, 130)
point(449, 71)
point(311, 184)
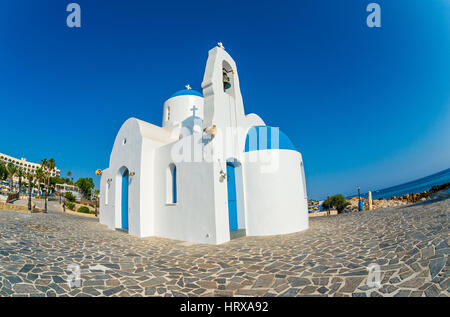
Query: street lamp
point(96, 204)
point(328, 208)
point(29, 196)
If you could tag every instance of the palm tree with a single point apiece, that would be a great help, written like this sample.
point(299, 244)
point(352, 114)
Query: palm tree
point(69, 173)
point(39, 176)
point(44, 166)
point(20, 173)
point(11, 168)
point(48, 167)
point(29, 176)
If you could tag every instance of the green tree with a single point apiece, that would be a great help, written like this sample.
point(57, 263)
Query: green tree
point(70, 197)
point(85, 185)
point(337, 201)
point(11, 168)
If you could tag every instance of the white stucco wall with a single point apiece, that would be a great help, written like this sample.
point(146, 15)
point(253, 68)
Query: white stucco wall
point(135, 143)
point(275, 203)
point(180, 110)
point(192, 218)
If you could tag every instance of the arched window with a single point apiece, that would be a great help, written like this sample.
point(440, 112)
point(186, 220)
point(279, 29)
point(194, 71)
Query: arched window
point(171, 181)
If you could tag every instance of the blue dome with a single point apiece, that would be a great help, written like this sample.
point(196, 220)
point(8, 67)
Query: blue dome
point(262, 140)
point(185, 92)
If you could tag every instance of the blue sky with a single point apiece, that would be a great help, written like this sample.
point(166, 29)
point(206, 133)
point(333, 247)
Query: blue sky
point(365, 106)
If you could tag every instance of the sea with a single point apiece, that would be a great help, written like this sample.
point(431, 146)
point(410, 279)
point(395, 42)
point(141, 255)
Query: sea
point(416, 186)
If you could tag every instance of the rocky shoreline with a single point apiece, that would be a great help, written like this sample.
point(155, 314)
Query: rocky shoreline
point(397, 201)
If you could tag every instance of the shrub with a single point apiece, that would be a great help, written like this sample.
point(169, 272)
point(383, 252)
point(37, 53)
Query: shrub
point(70, 197)
point(84, 210)
point(337, 201)
point(70, 205)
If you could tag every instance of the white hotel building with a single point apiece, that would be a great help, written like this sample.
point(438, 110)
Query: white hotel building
point(25, 165)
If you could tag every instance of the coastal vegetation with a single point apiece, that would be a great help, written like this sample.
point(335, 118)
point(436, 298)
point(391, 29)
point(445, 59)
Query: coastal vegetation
point(70, 197)
point(84, 210)
point(337, 201)
point(11, 169)
point(3, 171)
point(86, 185)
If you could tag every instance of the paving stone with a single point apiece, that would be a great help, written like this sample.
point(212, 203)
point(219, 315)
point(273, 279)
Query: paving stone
point(290, 292)
point(329, 259)
point(154, 282)
point(24, 288)
point(298, 281)
point(432, 291)
point(436, 266)
point(351, 283)
point(113, 291)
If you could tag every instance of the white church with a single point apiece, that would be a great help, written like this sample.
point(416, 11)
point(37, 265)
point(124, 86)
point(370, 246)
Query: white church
point(211, 173)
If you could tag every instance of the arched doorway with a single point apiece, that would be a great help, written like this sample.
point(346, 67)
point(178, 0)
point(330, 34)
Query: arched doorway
point(124, 204)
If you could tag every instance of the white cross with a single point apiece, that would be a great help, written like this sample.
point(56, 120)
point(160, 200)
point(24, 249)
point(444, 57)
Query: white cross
point(193, 109)
point(188, 87)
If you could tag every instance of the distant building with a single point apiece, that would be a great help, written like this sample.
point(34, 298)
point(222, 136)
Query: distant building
point(64, 188)
point(25, 165)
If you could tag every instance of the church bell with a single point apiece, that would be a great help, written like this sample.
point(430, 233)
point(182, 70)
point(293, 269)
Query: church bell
point(226, 81)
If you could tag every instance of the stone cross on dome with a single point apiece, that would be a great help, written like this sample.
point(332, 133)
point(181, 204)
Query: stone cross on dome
point(188, 87)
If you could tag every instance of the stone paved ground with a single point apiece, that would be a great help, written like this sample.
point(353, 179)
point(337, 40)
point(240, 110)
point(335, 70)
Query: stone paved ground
point(410, 243)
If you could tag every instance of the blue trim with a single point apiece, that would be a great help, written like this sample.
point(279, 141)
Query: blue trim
point(232, 204)
point(125, 200)
point(189, 92)
point(263, 137)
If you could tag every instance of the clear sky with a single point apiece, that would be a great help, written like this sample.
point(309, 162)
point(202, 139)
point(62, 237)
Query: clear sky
point(364, 106)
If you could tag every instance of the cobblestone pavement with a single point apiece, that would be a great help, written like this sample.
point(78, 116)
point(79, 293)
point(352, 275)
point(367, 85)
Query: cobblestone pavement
point(409, 243)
